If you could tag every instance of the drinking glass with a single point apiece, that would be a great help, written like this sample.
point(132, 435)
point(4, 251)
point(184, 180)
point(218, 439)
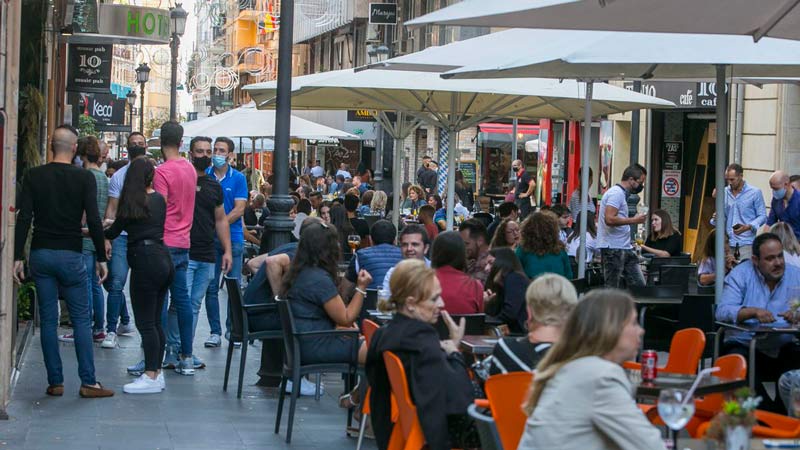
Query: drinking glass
point(676, 408)
point(353, 241)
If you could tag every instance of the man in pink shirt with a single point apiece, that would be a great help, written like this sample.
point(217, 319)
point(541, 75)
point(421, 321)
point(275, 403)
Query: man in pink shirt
point(176, 180)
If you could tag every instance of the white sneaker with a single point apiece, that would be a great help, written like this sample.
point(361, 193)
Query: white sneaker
point(161, 381)
point(125, 329)
point(143, 385)
point(110, 341)
point(307, 388)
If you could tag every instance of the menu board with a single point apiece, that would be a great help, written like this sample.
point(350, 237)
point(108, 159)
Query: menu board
point(470, 171)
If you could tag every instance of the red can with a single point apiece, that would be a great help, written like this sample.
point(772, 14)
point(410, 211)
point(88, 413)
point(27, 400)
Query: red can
point(649, 365)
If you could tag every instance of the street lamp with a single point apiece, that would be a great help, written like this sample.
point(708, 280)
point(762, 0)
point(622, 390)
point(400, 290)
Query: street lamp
point(142, 75)
point(131, 98)
point(177, 16)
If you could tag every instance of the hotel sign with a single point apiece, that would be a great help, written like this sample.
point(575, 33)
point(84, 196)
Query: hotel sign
point(126, 24)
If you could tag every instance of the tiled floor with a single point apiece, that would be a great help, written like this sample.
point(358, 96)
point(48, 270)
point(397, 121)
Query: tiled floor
point(193, 412)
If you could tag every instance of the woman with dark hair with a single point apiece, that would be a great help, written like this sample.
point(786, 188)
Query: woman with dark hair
point(439, 213)
point(574, 239)
point(343, 225)
point(706, 268)
point(540, 250)
point(142, 212)
point(463, 294)
point(599, 335)
point(664, 239)
point(505, 288)
point(310, 286)
point(325, 211)
point(507, 234)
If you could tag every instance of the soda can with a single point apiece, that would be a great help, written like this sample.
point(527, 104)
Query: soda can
point(649, 365)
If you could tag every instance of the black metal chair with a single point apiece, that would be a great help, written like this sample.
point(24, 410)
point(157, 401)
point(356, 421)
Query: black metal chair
point(370, 303)
point(657, 291)
point(475, 325)
point(655, 263)
point(487, 430)
point(294, 369)
point(581, 285)
point(680, 275)
point(698, 311)
point(244, 328)
point(658, 320)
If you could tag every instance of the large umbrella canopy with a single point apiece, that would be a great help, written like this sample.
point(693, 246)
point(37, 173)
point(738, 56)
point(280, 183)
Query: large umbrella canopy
point(247, 121)
point(451, 104)
point(773, 18)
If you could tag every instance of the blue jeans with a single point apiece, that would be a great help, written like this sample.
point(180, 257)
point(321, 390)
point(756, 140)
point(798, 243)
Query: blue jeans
point(179, 300)
point(63, 271)
point(95, 291)
point(198, 277)
point(118, 274)
point(212, 295)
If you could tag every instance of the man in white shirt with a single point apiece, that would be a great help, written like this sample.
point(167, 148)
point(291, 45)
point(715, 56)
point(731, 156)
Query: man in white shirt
point(317, 171)
point(614, 230)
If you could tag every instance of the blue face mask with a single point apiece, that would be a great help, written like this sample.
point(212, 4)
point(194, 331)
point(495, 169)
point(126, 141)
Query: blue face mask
point(779, 194)
point(219, 161)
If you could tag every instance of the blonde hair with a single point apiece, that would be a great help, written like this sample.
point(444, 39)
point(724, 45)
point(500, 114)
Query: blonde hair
point(593, 328)
point(410, 278)
point(378, 201)
point(787, 237)
point(551, 298)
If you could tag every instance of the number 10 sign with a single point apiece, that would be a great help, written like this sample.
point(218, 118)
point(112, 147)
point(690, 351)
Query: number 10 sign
point(89, 68)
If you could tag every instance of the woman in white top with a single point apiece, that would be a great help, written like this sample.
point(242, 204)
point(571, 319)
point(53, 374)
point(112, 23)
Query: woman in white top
point(791, 248)
point(574, 239)
point(580, 398)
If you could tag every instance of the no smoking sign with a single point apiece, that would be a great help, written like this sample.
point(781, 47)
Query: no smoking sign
point(671, 184)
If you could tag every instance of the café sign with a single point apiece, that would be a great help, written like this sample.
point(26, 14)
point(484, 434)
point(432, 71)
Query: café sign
point(685, 94)
point(127, 24)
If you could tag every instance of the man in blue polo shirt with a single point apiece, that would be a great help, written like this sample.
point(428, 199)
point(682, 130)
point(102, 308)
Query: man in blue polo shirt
point(785, 206)
point(234, 196)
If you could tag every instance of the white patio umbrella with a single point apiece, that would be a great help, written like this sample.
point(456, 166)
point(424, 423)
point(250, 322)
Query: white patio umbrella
point(452, 105)
point(761, 18)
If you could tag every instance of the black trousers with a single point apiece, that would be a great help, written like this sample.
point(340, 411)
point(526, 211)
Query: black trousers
point(768, 369)
point(151, 275)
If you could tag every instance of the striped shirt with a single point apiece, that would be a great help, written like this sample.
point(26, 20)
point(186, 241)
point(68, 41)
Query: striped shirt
point(517, 354)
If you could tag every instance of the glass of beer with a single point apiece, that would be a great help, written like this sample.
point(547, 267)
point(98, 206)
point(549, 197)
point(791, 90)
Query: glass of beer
point(353, 241)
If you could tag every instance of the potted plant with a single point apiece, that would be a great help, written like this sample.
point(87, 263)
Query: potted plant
point(734, 424)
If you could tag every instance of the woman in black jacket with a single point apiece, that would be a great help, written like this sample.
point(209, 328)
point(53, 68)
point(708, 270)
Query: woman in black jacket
point(505, 289)
point(437, 374)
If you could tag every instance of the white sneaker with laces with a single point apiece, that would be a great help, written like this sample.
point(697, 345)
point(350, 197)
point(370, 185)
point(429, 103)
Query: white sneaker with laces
point(143, 385)
point(307, 388)
point(125, 329)
point(110, 341)
point(161, 381)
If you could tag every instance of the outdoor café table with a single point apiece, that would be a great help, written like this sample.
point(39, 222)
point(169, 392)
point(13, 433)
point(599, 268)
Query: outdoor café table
point(645, 302)
point(378, 317)
point(759, 331)
point(666, 380)
point(479, 345)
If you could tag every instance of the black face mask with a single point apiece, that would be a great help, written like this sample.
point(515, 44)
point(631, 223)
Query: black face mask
point(637, 189)
point(201, 162)
point(136, 151)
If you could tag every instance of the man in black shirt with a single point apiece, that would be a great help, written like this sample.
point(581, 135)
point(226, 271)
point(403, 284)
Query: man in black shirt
point(209, 216)
point(55, 198)
point(524, 189)
point(422, 168)
point(361, 226)
point(429, 178)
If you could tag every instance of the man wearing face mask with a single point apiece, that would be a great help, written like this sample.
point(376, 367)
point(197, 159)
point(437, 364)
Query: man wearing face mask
point(235, 195)
point(524, 188)
point(785, 206)
point(613, 231)
point(116, 305)
point(209, 217)
point(744, 211)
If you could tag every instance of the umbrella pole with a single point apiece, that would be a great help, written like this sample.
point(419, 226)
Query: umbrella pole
point(451, 179)
point(587, 139)
point(397, 180)
point(719, 179)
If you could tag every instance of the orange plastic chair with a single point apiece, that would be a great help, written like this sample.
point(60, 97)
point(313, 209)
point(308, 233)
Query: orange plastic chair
point(407, 432)
point(368, 328)
point(506, 394)
point(730, 366)
point(685, 352)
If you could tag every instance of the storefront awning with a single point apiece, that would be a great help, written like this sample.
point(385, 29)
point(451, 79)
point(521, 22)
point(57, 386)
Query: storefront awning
point(504, 128)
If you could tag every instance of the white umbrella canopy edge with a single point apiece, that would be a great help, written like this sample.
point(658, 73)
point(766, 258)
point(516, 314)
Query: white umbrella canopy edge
point(757, 19)
point(454, 105)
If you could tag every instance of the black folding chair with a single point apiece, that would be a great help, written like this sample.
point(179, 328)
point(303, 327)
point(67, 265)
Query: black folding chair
point(475, 325)
point(679, 275)
point(248, 322)
point(698, 311)
point(655, 263)
point(294, 369)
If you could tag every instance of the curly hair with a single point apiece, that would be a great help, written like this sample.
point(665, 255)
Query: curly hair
point(318, 247)
point(540, 234)
point(499, 239)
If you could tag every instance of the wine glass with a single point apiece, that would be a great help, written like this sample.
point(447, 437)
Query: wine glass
point(353, 241)
point(676, 408)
